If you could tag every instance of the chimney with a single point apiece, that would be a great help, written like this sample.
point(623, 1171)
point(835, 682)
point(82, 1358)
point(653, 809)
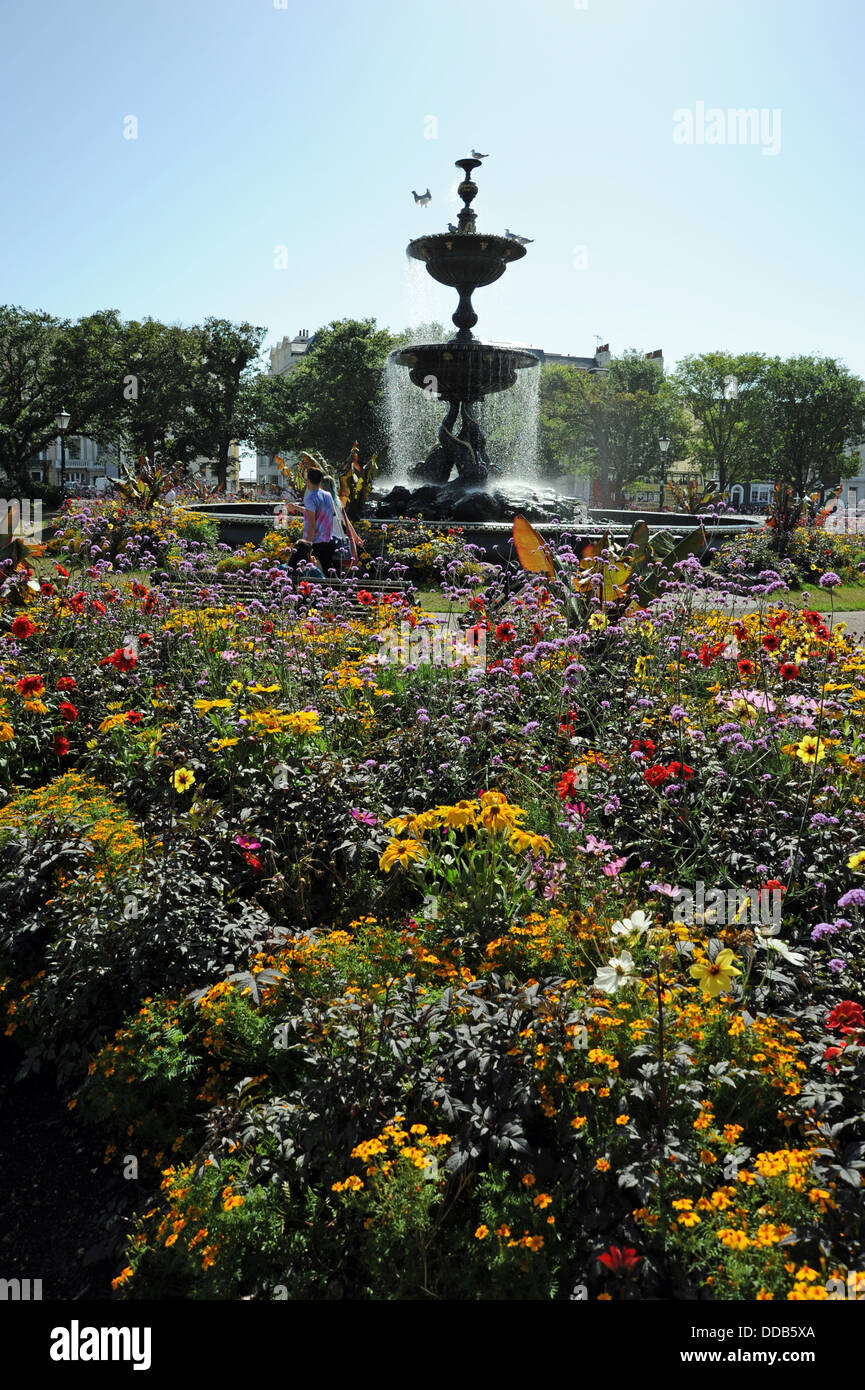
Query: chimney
point(603, 355)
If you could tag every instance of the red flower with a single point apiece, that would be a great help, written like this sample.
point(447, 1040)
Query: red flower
point(61, 746)
point(680, 770)
point(656, 776)
point(708, 654)
point(100, 607)
point(30, 685)
point(811, 618)
point(150, 602)
point(133, 716)
point(139, 590)
point(307, 588)
point(621, 1260)
point(267, 627)
point(832, 1052)
point(64, 574)
point(778, 619)
point(65, 683)
point(822, 631)
point(477, 603)
point(506, 632)
point(567, 783)
point(122, 659)
point(47, 588)
point(22, 627)
point(144, 639)
point(745, 667)
point(741, 632)
point(517, 665)
point(846, 1016)
point(69, 712)
point(642, 745)
point(253, 861)
point(789, 671)
point(76, 603)
point(771, 643)
point(365, 597)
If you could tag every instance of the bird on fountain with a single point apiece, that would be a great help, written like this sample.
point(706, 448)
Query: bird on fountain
point(476, 154)
point(523, 240)
point(422, 198)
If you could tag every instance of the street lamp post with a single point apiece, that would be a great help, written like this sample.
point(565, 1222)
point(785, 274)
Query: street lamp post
point(62, 423)
point(663, 445)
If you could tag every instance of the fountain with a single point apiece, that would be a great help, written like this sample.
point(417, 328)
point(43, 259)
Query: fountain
point(462, 373)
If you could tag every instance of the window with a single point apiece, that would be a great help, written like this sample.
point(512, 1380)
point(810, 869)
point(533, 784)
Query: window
point(761, 494)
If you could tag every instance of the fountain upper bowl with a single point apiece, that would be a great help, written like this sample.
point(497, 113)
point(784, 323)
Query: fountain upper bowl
point(461, 258)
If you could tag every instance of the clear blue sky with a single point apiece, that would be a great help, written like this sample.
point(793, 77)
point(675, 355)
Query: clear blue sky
point(304, 126)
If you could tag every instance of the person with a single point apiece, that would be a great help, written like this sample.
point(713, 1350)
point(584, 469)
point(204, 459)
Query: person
point(344, 533)
point(318, 514)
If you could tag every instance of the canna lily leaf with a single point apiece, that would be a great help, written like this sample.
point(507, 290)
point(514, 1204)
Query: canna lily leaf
point(532, 550)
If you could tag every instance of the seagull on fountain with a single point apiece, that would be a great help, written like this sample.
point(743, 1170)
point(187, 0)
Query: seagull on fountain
point(523, 240)
point(476, 154)
point(422, 198)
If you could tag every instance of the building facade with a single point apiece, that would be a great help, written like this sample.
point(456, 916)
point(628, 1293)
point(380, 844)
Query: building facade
point(283, 359)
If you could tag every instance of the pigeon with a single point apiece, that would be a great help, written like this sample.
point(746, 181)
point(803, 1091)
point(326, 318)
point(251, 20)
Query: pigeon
point(523, 240)
point(422, 198)
point(452, 228)
point(476, 154)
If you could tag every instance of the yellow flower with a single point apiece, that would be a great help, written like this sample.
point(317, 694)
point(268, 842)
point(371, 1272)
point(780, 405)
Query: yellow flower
point(715, 976)
point(7, 733)
point(811, 749)
point(183, 779)
point(459, 816)
point(401, 852)
point(856, 860)
point(734, 1240)
point(482, 1232)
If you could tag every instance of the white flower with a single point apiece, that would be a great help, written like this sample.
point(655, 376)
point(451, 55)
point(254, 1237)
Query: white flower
point(634, 925)
point(783, 950)
point(615, 973)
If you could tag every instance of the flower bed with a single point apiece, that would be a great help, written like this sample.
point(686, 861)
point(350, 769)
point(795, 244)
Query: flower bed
point(532, 978)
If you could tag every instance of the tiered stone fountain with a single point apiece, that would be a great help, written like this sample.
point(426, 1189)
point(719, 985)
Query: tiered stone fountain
point(461, 373)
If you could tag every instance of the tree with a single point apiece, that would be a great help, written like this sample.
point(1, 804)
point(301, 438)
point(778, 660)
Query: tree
point(335, 392)
point(265, 410)
point(87, 367)
point(810, 410)
point(720, 391)
point(29, 399)
point(608, 424)
point(156, 413)
point(221, 372)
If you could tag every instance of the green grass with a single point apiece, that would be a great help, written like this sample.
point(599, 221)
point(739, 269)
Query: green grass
point(846, 598)
point(435, 602)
